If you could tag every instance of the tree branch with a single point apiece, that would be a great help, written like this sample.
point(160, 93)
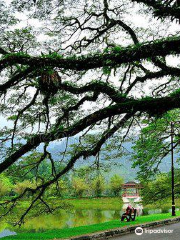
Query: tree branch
point(128, 54)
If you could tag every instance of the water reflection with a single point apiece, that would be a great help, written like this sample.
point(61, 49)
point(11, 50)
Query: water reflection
point(6, 233)
point(64, 219)
point(154, 211)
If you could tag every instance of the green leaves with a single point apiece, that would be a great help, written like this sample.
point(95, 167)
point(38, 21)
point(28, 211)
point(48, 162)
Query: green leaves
point(153, 144)
point(61, 128)
point(5, 185)
point(116, 184)
point(158, 190)
point(13, 117)
point(52, 55)
point(107, 70)
point(175, 93)
point(117, 49)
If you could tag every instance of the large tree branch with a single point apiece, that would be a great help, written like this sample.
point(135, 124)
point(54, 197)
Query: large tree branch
point(39, 190)
point(167, 71)
point(20, 112)
point(95, 86)
point(152, 106)
point(15, 79)
point(162, 10)
point(91, 152)
point(119, 56)
point(113, 93)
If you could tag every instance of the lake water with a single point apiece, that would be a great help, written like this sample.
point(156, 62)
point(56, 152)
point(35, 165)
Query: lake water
point(63, 219)
point(69, 219)
point(66, 219)
point(6, 233)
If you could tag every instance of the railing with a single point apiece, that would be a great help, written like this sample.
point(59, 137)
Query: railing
point(130, 194)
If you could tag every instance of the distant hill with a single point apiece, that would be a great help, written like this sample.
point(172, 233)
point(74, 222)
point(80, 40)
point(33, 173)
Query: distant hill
point(121, 166)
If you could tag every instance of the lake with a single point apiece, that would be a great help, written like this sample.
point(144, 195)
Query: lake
point(64, 219)
point(68, 219)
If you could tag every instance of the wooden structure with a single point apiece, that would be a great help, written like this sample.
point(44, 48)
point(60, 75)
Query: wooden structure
point(131, 190)
point(129, 215)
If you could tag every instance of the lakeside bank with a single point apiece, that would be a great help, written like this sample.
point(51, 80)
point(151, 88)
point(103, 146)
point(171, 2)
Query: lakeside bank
point(77, 231)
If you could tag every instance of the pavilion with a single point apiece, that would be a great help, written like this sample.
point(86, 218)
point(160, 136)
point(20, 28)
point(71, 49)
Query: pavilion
point(131, 190)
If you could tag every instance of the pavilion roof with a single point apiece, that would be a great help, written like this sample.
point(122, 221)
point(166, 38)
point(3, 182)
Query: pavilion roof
point(131, 184)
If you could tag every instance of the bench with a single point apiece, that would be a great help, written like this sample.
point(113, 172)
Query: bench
point(129, 215)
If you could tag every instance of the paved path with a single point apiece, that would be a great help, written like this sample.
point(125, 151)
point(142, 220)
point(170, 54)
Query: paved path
point(155, 236)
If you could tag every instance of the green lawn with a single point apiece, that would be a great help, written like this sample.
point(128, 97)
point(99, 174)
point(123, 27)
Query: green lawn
point(103, 203)
point(69, 232)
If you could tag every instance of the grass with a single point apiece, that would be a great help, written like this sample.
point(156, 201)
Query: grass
point(102, 203)
point(70, 232)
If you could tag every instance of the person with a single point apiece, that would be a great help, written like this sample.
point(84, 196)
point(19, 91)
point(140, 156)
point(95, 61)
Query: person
point(127, 214)
point(133, 214)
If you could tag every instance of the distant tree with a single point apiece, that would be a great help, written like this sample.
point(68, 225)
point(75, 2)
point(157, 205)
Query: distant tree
point(58, 189)
point(98, 186)
point(79, 186)
point(5, 185)
point(153, 145)
point(20, 187)
point(159, 189)
point(116, 184)
point(85, 172)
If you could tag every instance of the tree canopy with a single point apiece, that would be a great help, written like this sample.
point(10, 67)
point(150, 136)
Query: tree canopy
point(70, 68)
point(154, 144)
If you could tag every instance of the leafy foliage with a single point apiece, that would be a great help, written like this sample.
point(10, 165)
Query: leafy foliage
point(116, 184)
point(5, 185)
point(154, 144)
point(159, 189)
point(79, 186)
